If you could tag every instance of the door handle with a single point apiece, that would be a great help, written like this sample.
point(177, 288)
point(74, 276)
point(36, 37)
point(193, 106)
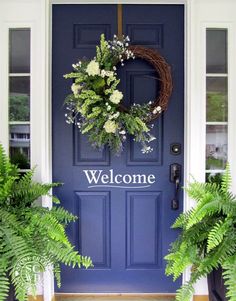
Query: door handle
point(175, 177)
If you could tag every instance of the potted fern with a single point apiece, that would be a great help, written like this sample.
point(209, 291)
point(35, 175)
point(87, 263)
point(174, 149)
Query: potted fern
point(208, 238)
point(31, 237)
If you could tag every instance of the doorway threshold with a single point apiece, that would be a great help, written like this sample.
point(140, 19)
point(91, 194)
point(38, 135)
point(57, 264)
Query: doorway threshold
point(115, 297)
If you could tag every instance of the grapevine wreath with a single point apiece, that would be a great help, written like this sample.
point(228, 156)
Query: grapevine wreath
point(95, 104)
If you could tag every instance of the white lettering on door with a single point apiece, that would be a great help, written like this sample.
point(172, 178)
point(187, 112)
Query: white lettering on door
point(101, 178)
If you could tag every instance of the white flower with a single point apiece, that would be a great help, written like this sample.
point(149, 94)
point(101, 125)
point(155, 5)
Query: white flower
point(146, 149)
point(151, 138)
point(109, 73)
point(116, 97)
point(108, 108)
point(110, 126)
point(103, 73)
point(106, 73)
point(157, 110)
point(93, 68)
point(75, 88)
point(123, 132)
point(116, 115)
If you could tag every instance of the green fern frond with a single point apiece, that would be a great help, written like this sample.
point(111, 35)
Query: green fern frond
point(4, 284)
point(185, 292)
point(6, 168)
point(182, 219)
point(57, 273)
point(182, 254)
point(63, 215)
point(25, 194)
point(67, 255)
point(229, 275)
point(218, 256)
point(217, 233)
point(207, 209)
point(228, 203)
point(8, 220)
point(226, 179)
point(47, 223)
point(196, 190)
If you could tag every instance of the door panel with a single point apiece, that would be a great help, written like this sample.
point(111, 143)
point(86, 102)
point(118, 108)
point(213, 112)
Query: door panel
point(143, 235)
point(124, 227)
point(94, 212)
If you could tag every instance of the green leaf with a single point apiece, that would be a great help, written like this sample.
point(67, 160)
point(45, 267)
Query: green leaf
point(98, 83)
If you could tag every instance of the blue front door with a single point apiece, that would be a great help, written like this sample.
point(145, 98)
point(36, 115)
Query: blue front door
point(123, 226)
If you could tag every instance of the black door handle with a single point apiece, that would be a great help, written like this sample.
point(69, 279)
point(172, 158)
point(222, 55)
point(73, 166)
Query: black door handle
point(175, 177)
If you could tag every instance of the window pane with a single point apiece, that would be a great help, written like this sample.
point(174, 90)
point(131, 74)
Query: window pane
point(19, 99)
point(217, 106)
point(19, 43)
point(216, 147)
point(214, 177)
point(216, 52)
point(20, 144)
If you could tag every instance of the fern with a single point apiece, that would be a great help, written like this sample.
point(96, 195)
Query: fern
point(217, 233)
point(229, 275)
point(226, 179)
point(185, 292)
point(208, 238)
point(31, 237)
point(4, 281)
point(182, 219)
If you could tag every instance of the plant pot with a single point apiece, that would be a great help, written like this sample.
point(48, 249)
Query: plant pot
point(216, 287)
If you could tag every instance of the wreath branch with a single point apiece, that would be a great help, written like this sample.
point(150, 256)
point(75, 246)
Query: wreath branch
point(164, 72)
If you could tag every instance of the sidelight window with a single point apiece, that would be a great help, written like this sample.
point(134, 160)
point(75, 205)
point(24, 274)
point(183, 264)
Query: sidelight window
point(216, 101)
point(19, 97)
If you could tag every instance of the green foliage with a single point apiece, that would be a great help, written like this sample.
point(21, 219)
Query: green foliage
point(31, 237)
point(19, 109)
point(217, 109)
point(213, 163)
point(208, 237)
point(229, 275)
point(214, 178)
point(20, 159)
point(96, 100)
point(104, 57)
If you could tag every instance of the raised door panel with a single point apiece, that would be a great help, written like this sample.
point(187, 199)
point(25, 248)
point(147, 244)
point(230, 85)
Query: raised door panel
point(143, 245)
point(93, 209)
